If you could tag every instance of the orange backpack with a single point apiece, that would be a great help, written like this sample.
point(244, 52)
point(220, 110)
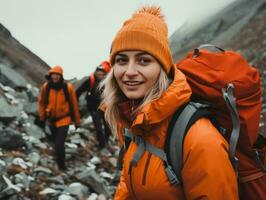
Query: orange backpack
point(213, 76)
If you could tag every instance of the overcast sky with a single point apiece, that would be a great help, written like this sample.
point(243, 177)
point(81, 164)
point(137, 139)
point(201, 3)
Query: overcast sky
point(77, 34)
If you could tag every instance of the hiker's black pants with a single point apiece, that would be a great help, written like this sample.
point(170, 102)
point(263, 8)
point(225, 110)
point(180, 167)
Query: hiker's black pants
point(58, 137)
point(102, 130)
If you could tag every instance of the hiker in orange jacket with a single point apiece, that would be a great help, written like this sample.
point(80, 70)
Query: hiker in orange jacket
point(140, 95)
point(93, 95)
point(58, 105)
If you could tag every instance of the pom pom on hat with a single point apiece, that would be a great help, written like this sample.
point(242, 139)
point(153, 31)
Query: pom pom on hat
point(153, 10)
point(146, 31)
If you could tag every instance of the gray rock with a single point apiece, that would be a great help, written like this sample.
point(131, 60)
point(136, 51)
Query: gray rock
point(41, 145)
point(7, 187)
point(10, 139)
point(23, 118)
point(22, 96)
point(71, 146)
point(93, 196)
point(3, 166)
point(31, 139)
point(6, 88)
point(92, 179)
point(60, 187)
point(105, 152)
point(20, 162)
point(113, 161)
point(74, 137)
point(29, 146)
point(77, 141)
point(42, 170)
point(95, 160)
point(31, 108)
point(101, 197)
point(47, 191)
point(33, 93)
point(71, 152)
point(56, 179)
point(107, 175)
point(11, 99)
point(65, 197)
point(3, 184)
point(46, 161)
point(23, 179)
point(11, 77)
point(8, 112)
point(35, 131)
point(34, 158)
point(78, 190)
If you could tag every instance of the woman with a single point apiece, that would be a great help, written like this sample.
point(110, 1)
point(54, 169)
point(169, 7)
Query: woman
point(141, 93)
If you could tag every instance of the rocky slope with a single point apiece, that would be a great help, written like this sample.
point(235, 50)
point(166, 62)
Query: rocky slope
point(27, 162)
point(240, 27)
point(18, 65)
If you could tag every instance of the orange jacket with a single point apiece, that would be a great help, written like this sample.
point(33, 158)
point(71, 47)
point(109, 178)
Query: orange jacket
point(207, 172)
point(58, 106)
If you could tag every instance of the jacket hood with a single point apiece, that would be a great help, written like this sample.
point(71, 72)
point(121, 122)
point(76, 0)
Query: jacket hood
point(177, 94)
point(56, 70)
point(104, 66)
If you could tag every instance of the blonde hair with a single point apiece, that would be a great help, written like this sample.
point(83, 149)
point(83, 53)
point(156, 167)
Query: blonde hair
point(112, 95)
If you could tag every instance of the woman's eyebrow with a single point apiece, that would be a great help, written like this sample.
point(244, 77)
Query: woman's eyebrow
point(142, 54)
point(121, 55)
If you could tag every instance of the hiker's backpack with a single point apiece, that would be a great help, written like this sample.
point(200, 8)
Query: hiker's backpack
point(232, 89)
point(67, 96)
point(227, 90)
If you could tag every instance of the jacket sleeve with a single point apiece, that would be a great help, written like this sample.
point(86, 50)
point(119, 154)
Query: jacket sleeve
point(207, 173)
point(41, 107)
point(85, 86)
point(75, 104)
point(121, 190)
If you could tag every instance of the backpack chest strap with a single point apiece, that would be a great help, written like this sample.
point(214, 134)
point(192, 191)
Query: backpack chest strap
point(145, 146)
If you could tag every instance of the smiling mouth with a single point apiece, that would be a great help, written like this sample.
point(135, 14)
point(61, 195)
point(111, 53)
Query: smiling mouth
point(132, 83)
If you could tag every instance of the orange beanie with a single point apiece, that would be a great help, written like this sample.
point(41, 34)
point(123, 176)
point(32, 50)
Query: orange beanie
point(145, 31)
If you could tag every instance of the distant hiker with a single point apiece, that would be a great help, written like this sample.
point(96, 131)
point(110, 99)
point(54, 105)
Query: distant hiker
point(58, 105)
point(93, 95)
point(140, 95)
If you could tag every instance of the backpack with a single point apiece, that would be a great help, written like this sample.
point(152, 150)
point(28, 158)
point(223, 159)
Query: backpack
point(225, 80)
point(67, 96)
point(227, 90)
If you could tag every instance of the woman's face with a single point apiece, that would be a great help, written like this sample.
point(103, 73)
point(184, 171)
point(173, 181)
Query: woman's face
point(135, 72)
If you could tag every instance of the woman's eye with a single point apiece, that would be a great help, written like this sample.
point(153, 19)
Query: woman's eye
point(121, 60)
point(144, 61)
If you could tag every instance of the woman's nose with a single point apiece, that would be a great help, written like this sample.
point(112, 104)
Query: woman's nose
point(131, 69)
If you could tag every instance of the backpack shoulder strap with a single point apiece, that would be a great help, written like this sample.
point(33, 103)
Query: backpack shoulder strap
point(182, 120)
point(123, 149)
point(66, 92)
point(92, 81)
point(46, 94)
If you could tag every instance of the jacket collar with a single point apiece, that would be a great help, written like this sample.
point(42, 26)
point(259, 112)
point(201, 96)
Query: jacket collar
point(175, 96)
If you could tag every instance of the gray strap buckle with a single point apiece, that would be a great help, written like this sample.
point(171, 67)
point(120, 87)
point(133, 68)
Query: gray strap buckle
point(171, 175)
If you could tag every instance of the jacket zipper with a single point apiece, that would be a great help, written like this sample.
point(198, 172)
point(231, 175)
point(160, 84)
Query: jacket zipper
point(146, 169)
